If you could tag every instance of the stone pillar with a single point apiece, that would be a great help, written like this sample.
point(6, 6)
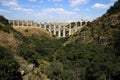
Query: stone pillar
point(75, 26)
point(64, 31)
point(39, 24)
point(49, 28)
point(59, 31)
point(81, 23)
point(70, 32)
point(54, 29)
point(85, 22)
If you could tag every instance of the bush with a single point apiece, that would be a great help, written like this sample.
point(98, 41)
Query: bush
point(8, 66)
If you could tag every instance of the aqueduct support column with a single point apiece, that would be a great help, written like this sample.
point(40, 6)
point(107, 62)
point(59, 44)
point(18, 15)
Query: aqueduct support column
point(85, 22)
point(64, 31)
point(54, 29)
point(70, 32)
point(39, 24)
point(75, 26)
point(49, 28)
point(59, 31)
point(35, 24)
point(81, 23)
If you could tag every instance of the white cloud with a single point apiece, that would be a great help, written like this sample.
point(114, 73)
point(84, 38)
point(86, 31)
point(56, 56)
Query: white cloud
point(12, 3)
point(23, 9)
point(41, 1)
point(26, 10)
point(59, 11)
point(101, 6)
point(76, 9)
point(77, 2)
point(56, 13)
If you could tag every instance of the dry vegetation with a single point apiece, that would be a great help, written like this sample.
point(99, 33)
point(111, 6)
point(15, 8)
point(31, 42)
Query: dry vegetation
point(34, 31)
point(8, 40)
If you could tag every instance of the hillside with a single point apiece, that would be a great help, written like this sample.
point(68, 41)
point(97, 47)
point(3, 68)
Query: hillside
point(102, 29)
point(35, 32)
point(7, 38)
point(13, 39)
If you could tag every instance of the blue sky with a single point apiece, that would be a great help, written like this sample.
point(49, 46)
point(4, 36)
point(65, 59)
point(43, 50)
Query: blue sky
point(54, 9)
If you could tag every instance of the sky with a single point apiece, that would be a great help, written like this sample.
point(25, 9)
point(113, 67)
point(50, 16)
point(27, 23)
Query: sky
point(54, 9)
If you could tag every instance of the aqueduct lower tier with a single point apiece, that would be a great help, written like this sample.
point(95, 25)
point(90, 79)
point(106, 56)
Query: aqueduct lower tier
point(58, 28)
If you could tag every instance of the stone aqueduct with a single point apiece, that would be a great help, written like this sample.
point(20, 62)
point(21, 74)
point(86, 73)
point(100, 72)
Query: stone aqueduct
point(59, 28)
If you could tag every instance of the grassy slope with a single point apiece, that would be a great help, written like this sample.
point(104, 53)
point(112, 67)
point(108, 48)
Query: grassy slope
point(35, 32)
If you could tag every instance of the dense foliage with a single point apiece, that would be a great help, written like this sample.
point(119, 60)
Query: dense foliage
point(34, 49)
point(114, 9)
point(91, 61)
point(75, 61)
point(8, 66)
